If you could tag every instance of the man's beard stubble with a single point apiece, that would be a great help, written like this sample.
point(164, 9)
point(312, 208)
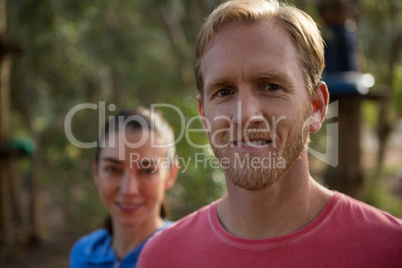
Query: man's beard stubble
point(254, 179)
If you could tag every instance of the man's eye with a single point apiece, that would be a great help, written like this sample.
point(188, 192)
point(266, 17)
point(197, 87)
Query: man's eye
point(223, 92)
point(272, 87)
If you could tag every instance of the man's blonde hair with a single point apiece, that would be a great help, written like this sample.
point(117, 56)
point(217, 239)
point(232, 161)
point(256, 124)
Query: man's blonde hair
point(301, 27)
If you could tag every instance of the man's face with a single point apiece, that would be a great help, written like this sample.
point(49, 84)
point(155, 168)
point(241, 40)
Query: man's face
point(255, 103)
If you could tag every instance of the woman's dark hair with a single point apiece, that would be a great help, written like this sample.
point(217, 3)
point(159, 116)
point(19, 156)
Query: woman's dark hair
point(139, 119)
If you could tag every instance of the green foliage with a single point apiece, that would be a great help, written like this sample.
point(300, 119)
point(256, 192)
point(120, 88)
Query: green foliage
point(397, 94)
point(384, 195)
point(102, 51)
point(370, 114)
point(122, 53)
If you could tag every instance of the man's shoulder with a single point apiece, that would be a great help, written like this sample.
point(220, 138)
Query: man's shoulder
point(188, 224)
point(361, 208)
point(359, 227)
point(182, 234)
point(367, 216)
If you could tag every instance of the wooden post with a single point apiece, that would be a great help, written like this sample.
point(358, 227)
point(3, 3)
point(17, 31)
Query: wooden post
point(347, 177)
point(340, 56)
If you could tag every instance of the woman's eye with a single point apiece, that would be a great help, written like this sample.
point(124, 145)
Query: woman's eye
point(272, 87)
point(147, 171)
point(223, 92)
point(112, 170)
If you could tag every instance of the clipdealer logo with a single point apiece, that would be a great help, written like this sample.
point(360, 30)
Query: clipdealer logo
point(329, 156)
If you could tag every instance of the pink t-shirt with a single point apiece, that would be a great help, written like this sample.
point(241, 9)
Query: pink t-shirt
point(347, 233)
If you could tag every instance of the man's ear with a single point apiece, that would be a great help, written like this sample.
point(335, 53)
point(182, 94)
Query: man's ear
point(319, 106)
point(95, 172)
point(201, 112)
point(172, 175)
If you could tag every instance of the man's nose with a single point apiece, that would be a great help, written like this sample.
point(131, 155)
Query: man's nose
point(130, 184)
point(249, 110)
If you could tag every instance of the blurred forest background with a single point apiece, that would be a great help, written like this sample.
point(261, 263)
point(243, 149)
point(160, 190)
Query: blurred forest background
point(129, 53)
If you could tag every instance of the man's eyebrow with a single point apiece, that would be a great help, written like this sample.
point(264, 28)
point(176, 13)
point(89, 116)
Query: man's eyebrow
point(274, 77)
point(221, 81)
point(282, 79)
point(111, 159)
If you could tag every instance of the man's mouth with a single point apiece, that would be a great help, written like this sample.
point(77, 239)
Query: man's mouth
point(255, 143)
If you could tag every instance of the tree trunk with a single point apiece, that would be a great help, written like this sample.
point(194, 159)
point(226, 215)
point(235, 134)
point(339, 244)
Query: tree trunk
point(385, 124)
point(5, 226)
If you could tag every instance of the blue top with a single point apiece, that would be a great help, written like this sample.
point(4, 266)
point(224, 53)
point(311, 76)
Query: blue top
point(95, 250)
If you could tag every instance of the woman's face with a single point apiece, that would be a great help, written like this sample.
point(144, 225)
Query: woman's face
point(132, 181)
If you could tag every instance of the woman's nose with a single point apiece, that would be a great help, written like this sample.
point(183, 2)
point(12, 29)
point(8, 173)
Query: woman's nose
point(130, 184)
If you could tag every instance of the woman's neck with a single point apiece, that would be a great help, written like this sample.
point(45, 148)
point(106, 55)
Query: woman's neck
point(127, 238)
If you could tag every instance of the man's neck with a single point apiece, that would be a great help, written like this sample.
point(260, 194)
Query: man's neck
point(285, 207)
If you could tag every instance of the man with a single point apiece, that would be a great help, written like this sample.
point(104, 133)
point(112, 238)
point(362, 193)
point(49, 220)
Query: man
point(258, 66)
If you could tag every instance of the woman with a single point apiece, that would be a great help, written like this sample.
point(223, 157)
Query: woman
point(134, 166)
